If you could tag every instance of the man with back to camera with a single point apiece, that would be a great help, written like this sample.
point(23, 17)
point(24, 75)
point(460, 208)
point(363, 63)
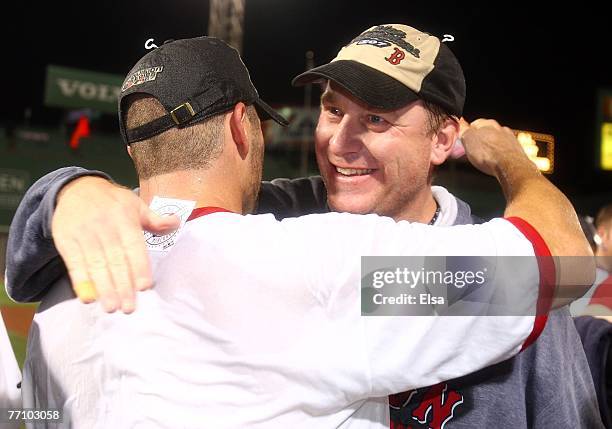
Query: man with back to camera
point(360, 179)
point(603, 225)
point(600, 303)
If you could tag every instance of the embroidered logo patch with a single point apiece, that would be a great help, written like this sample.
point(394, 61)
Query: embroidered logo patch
point(383, 36)
point(429, 408)
point(141, 76)
point(397, 56)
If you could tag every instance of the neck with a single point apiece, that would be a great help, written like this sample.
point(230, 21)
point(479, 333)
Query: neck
point(421, 209)
point(206, 189)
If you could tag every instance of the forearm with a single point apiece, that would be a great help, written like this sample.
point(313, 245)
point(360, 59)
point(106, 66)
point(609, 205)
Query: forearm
point(494, 150)
point(533, 198)
point(31, 259)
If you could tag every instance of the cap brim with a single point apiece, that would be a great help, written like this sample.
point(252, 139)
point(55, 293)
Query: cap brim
point(366, 83)
point(266, 112)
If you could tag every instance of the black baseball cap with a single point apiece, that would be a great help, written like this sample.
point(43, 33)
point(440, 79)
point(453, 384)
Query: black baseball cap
point(389, 66)
point(193, 79)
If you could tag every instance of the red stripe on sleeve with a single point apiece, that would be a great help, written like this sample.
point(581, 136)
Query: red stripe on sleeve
point(546, 267)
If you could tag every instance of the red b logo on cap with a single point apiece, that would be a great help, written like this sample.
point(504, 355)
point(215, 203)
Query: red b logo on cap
point(396, 57)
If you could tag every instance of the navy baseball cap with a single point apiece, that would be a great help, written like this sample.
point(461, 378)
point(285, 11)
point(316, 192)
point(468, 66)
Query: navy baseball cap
point(193, 79)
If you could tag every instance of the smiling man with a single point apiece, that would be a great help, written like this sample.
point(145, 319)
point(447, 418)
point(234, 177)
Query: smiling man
point(375, 161)
point(389, 116)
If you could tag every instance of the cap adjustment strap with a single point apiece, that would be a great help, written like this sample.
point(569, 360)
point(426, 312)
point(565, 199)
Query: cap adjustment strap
point(182, 113)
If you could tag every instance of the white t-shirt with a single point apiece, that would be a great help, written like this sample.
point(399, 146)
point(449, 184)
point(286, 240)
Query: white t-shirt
point(255, 323)
point(10, 376)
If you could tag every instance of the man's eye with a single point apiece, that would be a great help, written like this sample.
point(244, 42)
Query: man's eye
point(375, 119)
point(334, 111)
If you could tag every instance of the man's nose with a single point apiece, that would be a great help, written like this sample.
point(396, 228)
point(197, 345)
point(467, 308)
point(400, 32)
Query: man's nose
point(347, 138)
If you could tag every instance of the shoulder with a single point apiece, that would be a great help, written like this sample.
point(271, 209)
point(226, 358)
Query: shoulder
point(458, 211)
point(293, 197)
point(291, 186)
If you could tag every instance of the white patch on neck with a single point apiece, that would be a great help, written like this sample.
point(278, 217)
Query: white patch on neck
point(165, 207)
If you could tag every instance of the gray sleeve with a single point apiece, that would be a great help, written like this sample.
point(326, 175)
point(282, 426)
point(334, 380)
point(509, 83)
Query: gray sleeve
point(32, 261)
point(293, 197)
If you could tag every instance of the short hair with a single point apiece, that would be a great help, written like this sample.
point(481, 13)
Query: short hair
point(193, 147)
point(436, 117)
point(604, 216)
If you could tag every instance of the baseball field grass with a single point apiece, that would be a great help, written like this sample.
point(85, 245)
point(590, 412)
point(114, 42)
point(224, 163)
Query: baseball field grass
point(17, 319)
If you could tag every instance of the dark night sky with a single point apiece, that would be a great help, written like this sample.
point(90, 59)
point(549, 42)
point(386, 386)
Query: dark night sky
point(530, 68)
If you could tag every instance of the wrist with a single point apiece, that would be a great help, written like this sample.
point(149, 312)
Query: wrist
point(79, 183)
point(515, 173)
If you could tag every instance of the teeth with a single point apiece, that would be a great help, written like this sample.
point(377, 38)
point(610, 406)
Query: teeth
point(353, 171)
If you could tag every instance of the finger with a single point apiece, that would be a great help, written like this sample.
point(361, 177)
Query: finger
point(463, 126)
point(481, 123)
point(119, 269)
point(70, 251)
point(509, 131)
point(86, 291)
point(135, 251)
point(157, 224)
point(97, 267)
